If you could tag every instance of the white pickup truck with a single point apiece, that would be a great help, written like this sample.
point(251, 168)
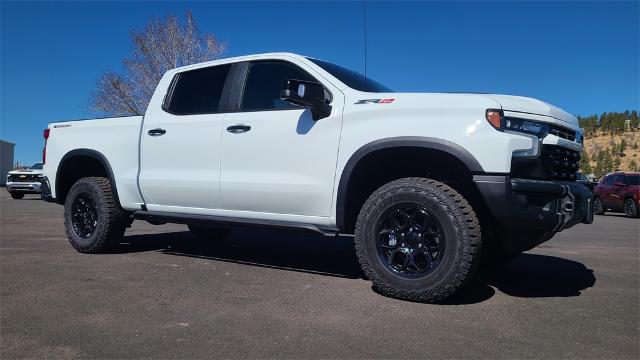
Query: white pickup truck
point(428, 183)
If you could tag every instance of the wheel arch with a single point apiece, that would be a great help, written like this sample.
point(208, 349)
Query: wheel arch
point(426, 144)
point(93, 163)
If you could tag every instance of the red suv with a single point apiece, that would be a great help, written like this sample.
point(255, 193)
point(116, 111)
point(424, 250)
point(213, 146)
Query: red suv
point(618, 192)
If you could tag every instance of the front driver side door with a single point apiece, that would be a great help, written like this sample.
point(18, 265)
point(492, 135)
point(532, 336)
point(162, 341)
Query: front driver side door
point(276, 160)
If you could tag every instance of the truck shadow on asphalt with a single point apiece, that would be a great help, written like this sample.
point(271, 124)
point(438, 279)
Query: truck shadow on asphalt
point(528, 276)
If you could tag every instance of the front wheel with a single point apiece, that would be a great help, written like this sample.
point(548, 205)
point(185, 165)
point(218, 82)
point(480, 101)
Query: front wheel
point(598, 209)
point(630, 208)
point(16, 195)
point(92, 219)
point(417, 239)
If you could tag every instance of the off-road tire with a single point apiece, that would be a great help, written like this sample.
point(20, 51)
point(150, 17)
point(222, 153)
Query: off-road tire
point(16, 195)
point(462, 236)
point(111, 219)
point(598, 208)
point(208, 233)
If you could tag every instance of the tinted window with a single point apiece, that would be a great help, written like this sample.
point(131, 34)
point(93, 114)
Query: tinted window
point(608, 180)
point(619, 179)
point(264, 82)
point(198, 91)
point(351, 78)
point(36, 166)
point(633, 179)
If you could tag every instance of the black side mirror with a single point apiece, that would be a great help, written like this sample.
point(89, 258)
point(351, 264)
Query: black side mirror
point(307, 94)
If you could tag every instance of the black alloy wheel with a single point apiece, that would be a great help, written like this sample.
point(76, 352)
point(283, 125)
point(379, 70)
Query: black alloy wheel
point(84, 217)
point(410, 240)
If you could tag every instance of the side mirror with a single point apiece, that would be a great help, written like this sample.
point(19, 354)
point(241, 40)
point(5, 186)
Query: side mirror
point(307, 94)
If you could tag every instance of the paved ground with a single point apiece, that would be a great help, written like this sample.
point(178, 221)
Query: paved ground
point(269, 294)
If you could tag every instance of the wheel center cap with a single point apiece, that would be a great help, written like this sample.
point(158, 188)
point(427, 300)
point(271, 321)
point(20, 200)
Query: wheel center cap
point(412, 238)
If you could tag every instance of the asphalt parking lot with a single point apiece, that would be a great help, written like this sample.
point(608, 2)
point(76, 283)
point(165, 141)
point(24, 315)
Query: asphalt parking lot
point(267, 294)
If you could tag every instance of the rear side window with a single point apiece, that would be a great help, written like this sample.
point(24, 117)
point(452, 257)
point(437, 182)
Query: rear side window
point(633, 180)
point(197, 91)
point(264, 82)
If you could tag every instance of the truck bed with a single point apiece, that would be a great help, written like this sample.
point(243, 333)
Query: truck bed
point(116, 139)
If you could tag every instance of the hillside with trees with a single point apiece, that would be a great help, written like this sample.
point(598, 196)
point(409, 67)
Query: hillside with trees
point(612, 142)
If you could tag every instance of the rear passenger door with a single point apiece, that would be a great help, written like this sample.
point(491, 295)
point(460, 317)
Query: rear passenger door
point(180, 144)
point(277, 162)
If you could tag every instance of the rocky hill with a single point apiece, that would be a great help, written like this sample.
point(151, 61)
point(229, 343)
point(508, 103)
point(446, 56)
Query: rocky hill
point(612, 143)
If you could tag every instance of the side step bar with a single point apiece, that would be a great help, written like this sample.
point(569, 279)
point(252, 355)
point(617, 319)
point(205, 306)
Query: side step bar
point(228, 222)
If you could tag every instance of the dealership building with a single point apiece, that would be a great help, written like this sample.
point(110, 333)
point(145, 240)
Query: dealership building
point(6, 160)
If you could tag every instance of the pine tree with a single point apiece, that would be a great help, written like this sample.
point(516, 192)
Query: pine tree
point(585, 166)
point(635, 121)
point(633, 165)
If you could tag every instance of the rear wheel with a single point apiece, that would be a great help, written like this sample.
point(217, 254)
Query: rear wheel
point(93, 221)
point(630, 208)
point(417, 239)
point(16, 195)
point(208, 233)
point(598, 209)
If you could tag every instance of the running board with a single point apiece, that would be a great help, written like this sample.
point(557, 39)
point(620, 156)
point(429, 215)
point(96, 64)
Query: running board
point(227, 222)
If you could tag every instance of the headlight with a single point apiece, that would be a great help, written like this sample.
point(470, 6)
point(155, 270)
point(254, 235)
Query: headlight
point(497, 119)
point(524, 126)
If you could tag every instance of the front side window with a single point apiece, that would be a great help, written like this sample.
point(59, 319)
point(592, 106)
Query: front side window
point(197, 91)
point(264, 82)
point(608, 180)
point(619, 179)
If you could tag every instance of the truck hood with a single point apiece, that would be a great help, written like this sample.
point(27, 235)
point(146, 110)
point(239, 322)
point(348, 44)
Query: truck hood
point(533, 106)
point(25, 172)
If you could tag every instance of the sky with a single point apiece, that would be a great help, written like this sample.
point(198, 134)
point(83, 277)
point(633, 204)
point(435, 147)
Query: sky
point(580, 56)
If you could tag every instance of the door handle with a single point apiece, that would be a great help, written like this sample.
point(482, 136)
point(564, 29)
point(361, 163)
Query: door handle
point(238, 129)
point(157, 132)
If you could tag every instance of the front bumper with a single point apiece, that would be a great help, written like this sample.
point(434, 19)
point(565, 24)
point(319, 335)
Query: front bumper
point(534, 205)
point(24, 187)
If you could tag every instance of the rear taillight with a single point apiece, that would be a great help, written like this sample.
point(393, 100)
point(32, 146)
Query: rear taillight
point(44, 150)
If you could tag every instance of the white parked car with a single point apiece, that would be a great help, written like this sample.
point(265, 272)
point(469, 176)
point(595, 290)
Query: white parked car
point(428, 183)
point(24, 181)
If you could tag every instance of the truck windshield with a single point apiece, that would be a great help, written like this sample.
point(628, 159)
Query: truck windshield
point(36, 166)
point(351, 78)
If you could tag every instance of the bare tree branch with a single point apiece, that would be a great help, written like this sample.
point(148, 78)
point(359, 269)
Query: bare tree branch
point(162, 45)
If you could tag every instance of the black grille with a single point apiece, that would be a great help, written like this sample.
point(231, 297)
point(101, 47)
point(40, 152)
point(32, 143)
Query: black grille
point(561, 132)
point(23, 178)
point(560, 163)
point(553, 163)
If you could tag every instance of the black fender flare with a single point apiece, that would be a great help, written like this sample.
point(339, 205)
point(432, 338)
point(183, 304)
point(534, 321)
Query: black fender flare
point(402, 141)
point(92, 154)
